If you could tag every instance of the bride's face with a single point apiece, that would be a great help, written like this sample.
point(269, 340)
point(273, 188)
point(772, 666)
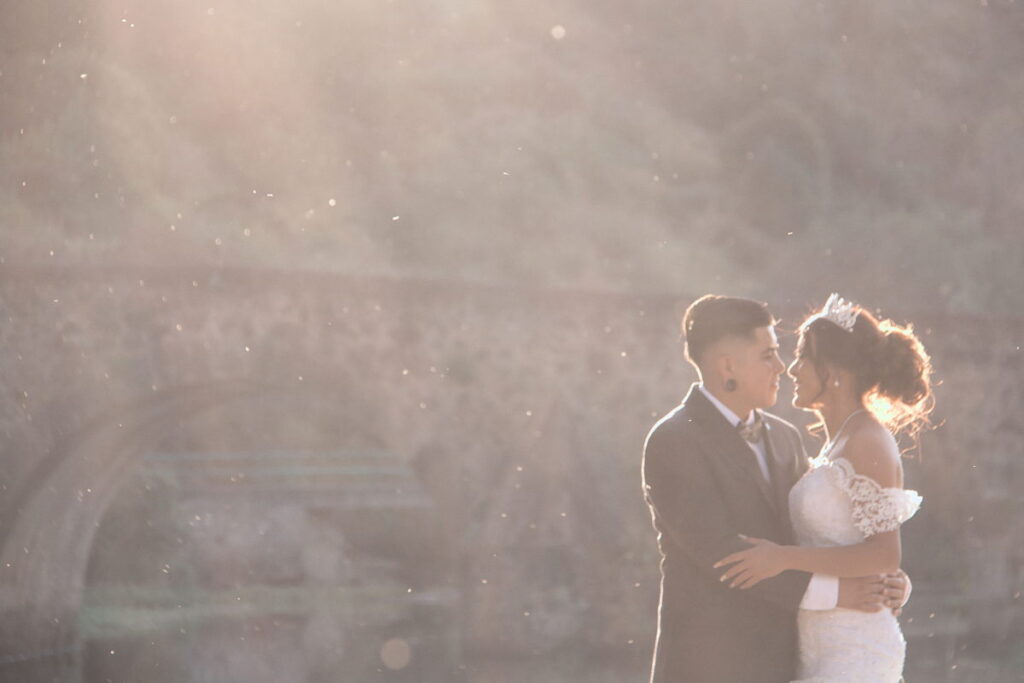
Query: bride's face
point(807, 387)
point(806, 383)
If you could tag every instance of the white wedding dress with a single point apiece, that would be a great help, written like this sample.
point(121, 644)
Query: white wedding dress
point(833, 505)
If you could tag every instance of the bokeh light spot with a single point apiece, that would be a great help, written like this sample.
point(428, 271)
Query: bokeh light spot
point(396, 654)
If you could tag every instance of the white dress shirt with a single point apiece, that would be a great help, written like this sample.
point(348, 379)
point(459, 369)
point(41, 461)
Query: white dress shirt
point(734, 419)
point(822, 591)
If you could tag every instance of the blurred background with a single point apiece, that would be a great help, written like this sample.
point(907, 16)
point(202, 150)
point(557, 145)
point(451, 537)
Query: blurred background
point(332, 330)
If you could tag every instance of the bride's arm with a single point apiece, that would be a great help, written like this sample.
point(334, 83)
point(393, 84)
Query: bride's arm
point(873, 454)
point(879, 554)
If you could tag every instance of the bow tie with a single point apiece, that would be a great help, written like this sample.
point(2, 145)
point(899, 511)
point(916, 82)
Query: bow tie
point(753, 432)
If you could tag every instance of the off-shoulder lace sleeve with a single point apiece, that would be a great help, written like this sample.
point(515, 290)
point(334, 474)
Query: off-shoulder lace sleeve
point(875, 509)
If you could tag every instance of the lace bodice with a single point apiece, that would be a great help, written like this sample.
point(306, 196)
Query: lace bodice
point(833, 505)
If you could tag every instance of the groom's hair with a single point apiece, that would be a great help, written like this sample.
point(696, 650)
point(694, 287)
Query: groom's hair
point(713, 317)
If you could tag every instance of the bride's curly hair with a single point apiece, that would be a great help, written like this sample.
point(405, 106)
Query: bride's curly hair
point(891, 367)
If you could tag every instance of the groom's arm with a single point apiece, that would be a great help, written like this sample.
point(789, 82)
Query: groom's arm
point(681, 489)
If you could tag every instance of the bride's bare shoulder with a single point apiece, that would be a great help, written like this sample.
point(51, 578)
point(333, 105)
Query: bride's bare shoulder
point(874, 453)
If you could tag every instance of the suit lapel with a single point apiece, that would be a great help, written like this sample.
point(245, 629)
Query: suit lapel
point(727, 446)
point(780, 457)
point(780, 475)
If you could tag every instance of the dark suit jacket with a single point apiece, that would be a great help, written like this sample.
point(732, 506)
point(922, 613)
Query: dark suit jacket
point(704, 487)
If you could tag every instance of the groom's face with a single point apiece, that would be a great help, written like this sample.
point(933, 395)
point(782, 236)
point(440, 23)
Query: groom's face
point(756, 367)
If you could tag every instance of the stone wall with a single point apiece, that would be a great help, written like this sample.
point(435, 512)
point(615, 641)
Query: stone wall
point(522, 411)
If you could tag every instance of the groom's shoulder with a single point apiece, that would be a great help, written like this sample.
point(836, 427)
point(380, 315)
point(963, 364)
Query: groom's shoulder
point(674, 425)
point(673, 419)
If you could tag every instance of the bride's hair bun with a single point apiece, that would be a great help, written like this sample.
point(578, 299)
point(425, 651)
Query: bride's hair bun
point(903, 365)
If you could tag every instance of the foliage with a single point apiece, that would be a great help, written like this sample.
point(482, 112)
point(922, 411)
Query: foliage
point(769, 148)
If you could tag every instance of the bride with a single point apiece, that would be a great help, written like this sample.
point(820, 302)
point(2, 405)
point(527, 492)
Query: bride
point(866, 380)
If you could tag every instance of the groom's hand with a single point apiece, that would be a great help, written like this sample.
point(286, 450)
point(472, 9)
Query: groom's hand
point(897, 591)
point(864, 593)
point(875, 593)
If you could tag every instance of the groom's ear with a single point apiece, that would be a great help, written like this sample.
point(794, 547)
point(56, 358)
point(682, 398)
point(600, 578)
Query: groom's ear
point(720, 361)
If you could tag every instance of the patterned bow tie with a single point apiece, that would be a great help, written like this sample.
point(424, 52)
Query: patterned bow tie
point(753, 432)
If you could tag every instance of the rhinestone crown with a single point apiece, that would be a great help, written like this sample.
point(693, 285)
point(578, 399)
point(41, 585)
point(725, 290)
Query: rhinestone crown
point(839, 311)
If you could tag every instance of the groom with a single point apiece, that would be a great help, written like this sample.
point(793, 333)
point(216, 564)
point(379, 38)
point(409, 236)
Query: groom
point(717, 467)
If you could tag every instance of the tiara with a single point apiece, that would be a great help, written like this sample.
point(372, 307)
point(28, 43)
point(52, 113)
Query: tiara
point(839, 311)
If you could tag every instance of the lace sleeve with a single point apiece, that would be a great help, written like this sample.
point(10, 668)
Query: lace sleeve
point(875, 509)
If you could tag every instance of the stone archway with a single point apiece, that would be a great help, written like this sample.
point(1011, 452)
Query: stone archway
point(46, 547)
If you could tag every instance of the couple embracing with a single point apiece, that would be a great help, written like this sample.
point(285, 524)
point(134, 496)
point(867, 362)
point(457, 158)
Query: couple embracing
point(776, 567)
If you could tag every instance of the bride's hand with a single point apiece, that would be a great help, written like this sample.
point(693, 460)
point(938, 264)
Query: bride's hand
point(762, 560)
